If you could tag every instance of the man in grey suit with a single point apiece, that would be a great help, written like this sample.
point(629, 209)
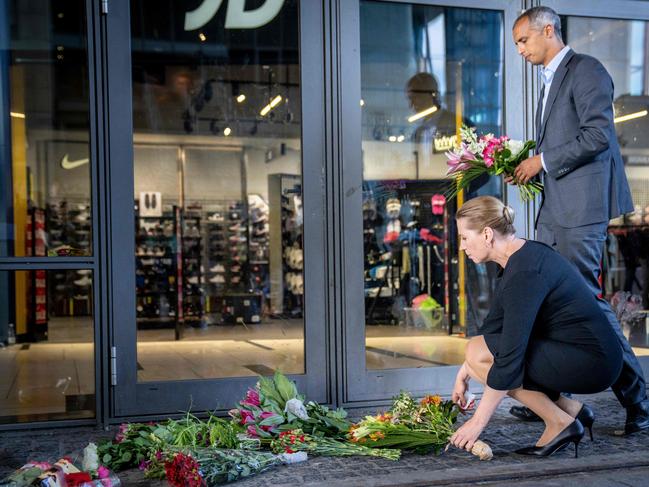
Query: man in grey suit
point(579, 160)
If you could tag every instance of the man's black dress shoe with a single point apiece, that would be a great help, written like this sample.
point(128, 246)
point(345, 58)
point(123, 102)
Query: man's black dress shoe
point(573, 433)
point(637, 417)
point(524, 414)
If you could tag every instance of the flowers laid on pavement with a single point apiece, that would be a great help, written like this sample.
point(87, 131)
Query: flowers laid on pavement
point(197, 467)
point(410, 425)
point(293, 441)
point(272, 415)
point(275, 405)
point(487, 154)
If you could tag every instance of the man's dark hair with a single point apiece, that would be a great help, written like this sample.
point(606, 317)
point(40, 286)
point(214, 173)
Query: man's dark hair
point(539, 17)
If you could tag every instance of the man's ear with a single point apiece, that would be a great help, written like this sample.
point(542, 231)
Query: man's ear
point(548, 30)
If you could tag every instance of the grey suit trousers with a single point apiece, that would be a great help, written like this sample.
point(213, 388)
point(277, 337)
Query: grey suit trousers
point(583, 246)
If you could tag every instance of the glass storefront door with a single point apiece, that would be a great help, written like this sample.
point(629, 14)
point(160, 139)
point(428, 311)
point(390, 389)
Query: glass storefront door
point(622, 47)
point(48, 251)
point(218, 240)
point(423, 72)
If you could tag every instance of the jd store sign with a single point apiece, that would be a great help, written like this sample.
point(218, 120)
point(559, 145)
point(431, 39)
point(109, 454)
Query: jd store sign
point(236, 17)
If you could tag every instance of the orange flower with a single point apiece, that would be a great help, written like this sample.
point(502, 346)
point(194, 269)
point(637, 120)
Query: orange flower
point(384, 417)
point(435, 400)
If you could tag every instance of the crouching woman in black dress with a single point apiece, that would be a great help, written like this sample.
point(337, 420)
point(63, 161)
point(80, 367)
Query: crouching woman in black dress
point(545, 333)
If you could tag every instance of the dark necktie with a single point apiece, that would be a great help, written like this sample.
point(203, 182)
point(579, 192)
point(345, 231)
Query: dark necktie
point(539, 111)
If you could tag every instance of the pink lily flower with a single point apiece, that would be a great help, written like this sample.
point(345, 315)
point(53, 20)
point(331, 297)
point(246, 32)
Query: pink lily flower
point(252, 398)
point(246, 417)
point(459, 162)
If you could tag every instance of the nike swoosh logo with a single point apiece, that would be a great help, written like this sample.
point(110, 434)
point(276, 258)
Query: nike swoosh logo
point(68, 164)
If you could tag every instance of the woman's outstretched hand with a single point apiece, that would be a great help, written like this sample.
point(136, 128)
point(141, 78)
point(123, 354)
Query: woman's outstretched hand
point(467, 434)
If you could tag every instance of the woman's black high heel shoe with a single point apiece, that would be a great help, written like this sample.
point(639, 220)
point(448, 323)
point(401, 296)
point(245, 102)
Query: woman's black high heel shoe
point(573, 433)
point(586, 417)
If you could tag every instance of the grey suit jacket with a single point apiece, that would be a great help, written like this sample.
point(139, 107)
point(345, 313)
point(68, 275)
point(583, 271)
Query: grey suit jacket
point(585, 181)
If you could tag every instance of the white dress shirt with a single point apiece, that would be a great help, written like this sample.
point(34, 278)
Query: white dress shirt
point(547, 75)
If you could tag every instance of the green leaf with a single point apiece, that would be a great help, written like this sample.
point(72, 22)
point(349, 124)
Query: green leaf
point(285, 387)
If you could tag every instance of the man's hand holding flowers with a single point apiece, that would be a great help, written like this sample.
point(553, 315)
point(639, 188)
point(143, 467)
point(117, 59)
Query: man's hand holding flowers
point(527, 169)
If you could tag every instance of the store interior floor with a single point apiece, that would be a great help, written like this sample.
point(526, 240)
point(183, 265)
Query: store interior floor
point(57, 376)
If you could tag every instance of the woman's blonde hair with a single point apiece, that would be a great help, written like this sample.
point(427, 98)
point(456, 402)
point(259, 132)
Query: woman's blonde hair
point(487, 211)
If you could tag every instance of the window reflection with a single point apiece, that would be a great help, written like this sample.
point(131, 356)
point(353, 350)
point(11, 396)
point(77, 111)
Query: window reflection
point(218, 191)
point(430, 70)
point(44, 157)
point(621, 46)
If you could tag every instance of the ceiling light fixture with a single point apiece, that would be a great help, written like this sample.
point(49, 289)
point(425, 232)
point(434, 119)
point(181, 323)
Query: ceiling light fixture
point(422, 114)
point(275, 101)
point(17, 115)
point(227, 131)
point(202, 37)
point(631, 116)
point(241, 98)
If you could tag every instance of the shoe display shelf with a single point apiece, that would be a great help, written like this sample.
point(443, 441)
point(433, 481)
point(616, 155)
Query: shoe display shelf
point(190, 271)
point(156, 269)
point(68, 228)
point(293, 254)
point(66, 232)
point(220, 223)
point(258, 250)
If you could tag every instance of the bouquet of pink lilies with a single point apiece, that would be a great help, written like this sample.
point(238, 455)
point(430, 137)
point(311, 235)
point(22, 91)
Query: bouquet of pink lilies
point(477, 155)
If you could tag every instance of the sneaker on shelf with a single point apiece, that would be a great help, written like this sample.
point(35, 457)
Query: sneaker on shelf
point(258, 217)
point(82, 217)
point(83, 282)
point(217, 268)
point(217, 279)
point(235, 238)
point(260, 232)
point(215, 217)
point(84, 272)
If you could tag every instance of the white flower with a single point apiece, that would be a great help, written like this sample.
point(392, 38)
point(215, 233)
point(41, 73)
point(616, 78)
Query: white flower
point(90, 458)
point(515, 146)
point(296, 407)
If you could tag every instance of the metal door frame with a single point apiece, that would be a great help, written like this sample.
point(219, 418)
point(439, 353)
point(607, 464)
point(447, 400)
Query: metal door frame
point(133, 399)
point(361, 386)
